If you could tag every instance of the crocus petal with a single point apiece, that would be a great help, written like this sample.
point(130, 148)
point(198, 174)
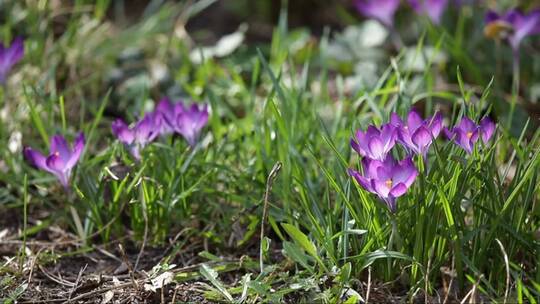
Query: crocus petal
point(464, 140)
point(55, 163)
point(78, 147)
point(491, 16)
point(384, 173)
point(362, 181)
point(398, 190)
point(449, 133)
point(122, 132)
point(405, 172)
point(436, 124)
point(35, 158)
point(16, 50)
point(10, 56)
point(146, 130)
point(467, 125)
point(381, 187)
point(372, 131)
point(164, 116)
point(370, 167)
point(422, 139)
point(388, 136)
point(396, 120)
point(388, 161)
point(60, 146)
point(414, 121)
point(165, 106)
point(475, 136)
point(189, 122)
point(357, 147)
point(487, 128)
point(58, 168)
point(433, 8)
point(405, 139)
point(381, 10)
point(376, 148)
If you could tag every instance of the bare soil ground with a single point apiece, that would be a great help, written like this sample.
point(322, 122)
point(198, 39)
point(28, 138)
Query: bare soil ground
point(57, 268)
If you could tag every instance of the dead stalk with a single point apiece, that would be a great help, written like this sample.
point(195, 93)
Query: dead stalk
point(128, 264)
point(368, 285)
point(269, 182)
point(507, 265)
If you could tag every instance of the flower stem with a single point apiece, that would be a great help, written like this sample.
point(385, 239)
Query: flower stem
point(515, 84)
point(78, 223)
point(394, 239)
point(75, 215)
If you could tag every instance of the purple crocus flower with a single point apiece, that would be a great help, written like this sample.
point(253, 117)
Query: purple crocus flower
point(513, 26)
point(137, 137)
point(375, 143)
point(417, 134)
point(9, 56)
point(189, 121)
point(381, 10)
point(467, 133)
point(387, 179)
point(434, 9)
point(61, 159)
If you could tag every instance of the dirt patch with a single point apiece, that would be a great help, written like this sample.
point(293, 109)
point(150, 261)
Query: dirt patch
point(95, 275)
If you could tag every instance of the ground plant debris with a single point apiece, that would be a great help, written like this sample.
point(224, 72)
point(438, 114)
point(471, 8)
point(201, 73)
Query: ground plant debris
point(291, 151)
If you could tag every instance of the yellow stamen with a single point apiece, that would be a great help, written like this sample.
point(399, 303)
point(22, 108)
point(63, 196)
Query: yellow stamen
point(498, 29)
point(389, 183)
point(469, 135)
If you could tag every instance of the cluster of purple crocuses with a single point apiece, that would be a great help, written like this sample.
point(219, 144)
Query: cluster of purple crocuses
point(512, 25)
point(389, 179)
point(167, 118)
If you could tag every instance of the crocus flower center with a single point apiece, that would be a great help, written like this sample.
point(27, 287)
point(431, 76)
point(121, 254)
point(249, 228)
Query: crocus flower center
point(56, 153)
point(469, 135)
point(498, 29)
point(389, 183)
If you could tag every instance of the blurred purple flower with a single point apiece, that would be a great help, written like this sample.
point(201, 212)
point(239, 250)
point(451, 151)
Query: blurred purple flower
point(433, 8)
point(137, 137)
point(487, 128)
point(381, 10)
point(387, 179)
point(61, 159)
point(467, 133)
point(513, 25)
point(375, 143)
point(189, 122)
point(417, 134)
point(9, 56)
